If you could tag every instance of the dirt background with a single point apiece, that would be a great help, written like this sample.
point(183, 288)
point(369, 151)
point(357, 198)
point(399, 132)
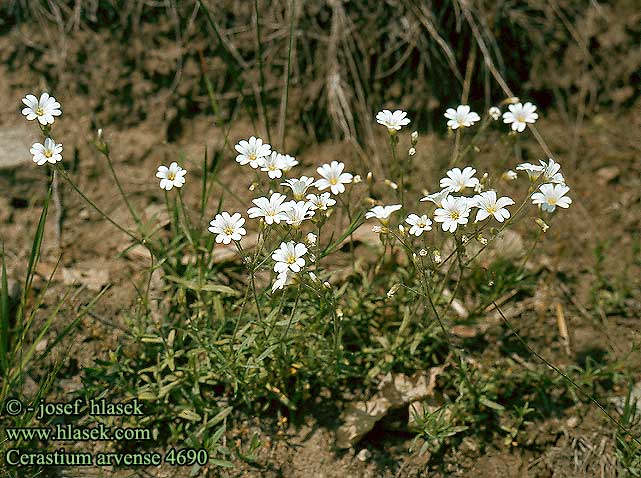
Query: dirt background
point(137, 73)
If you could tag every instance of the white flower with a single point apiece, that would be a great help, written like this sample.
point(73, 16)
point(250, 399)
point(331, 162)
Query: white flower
point(494, 112)
point(453, 211)
point(273, 165)
point(272, 209)
point(419, 224)
point(321, 201)
point(282, 279)
point(548, 172)
point(461, 116)
point(437, 198)
point(411, 151)
point(333, 177)
point(172, 176)
point(46, 153)
point(252, 151)
point(229, 228)
point(44, 109)
point(382, 213)
point(393, 121)
point(519, 115)
point(489, 205)
point(289, 256)
point(533, 170)
point(311, 239)
point(458, 180)
point(550, 196)
point(297, 212)
point(299, 186)
point(288, 162)
point(552, 172)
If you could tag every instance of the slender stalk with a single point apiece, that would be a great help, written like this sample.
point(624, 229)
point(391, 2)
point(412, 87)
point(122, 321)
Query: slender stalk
point(64, 175)
point(261, 68)
point(283, 111)
point(134, 216)
point(562, 374)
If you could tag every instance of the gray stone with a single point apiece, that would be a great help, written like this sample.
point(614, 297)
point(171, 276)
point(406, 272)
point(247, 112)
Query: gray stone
point(15, 142)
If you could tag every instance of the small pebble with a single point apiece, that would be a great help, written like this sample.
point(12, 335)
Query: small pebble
point(364, 455)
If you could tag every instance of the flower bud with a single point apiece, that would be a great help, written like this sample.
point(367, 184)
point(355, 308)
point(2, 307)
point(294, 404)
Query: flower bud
point(494, 113)
point(391, 184)
point(369, 178)
point(411, 151)
point(357, 179)
point(311, 239)
point(393, 290)
point(414, 137)
point(509, 175)
point(541, 223)
point(511, 101)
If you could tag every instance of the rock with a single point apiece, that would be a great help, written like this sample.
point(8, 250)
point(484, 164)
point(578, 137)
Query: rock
point(572, 422)
point(93, 279)
point(608, 174)
point(395, 391)
point(15, 143)
point(364, 455)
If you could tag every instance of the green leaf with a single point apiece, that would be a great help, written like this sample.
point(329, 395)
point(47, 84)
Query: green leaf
point(491, 404)
point(4, 316)
point(189, 415)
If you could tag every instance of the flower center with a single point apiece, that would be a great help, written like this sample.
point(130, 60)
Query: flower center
point(291, 259)
point(48, 153)
point(491, 209)
point(333, 181)
point(171, 175)
point(455, 215)
point(229, 230)
point(40, 111)
point(551, 201)
point(252, 156)
point(520, 118)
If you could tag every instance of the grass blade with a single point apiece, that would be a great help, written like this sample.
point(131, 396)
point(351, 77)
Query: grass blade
point(4, 315)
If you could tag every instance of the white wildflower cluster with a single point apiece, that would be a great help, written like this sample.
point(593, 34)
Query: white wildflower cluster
point(276, 209)
point(518, 116)
point(463, 198)
point(45, 109)
point(285, 211)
